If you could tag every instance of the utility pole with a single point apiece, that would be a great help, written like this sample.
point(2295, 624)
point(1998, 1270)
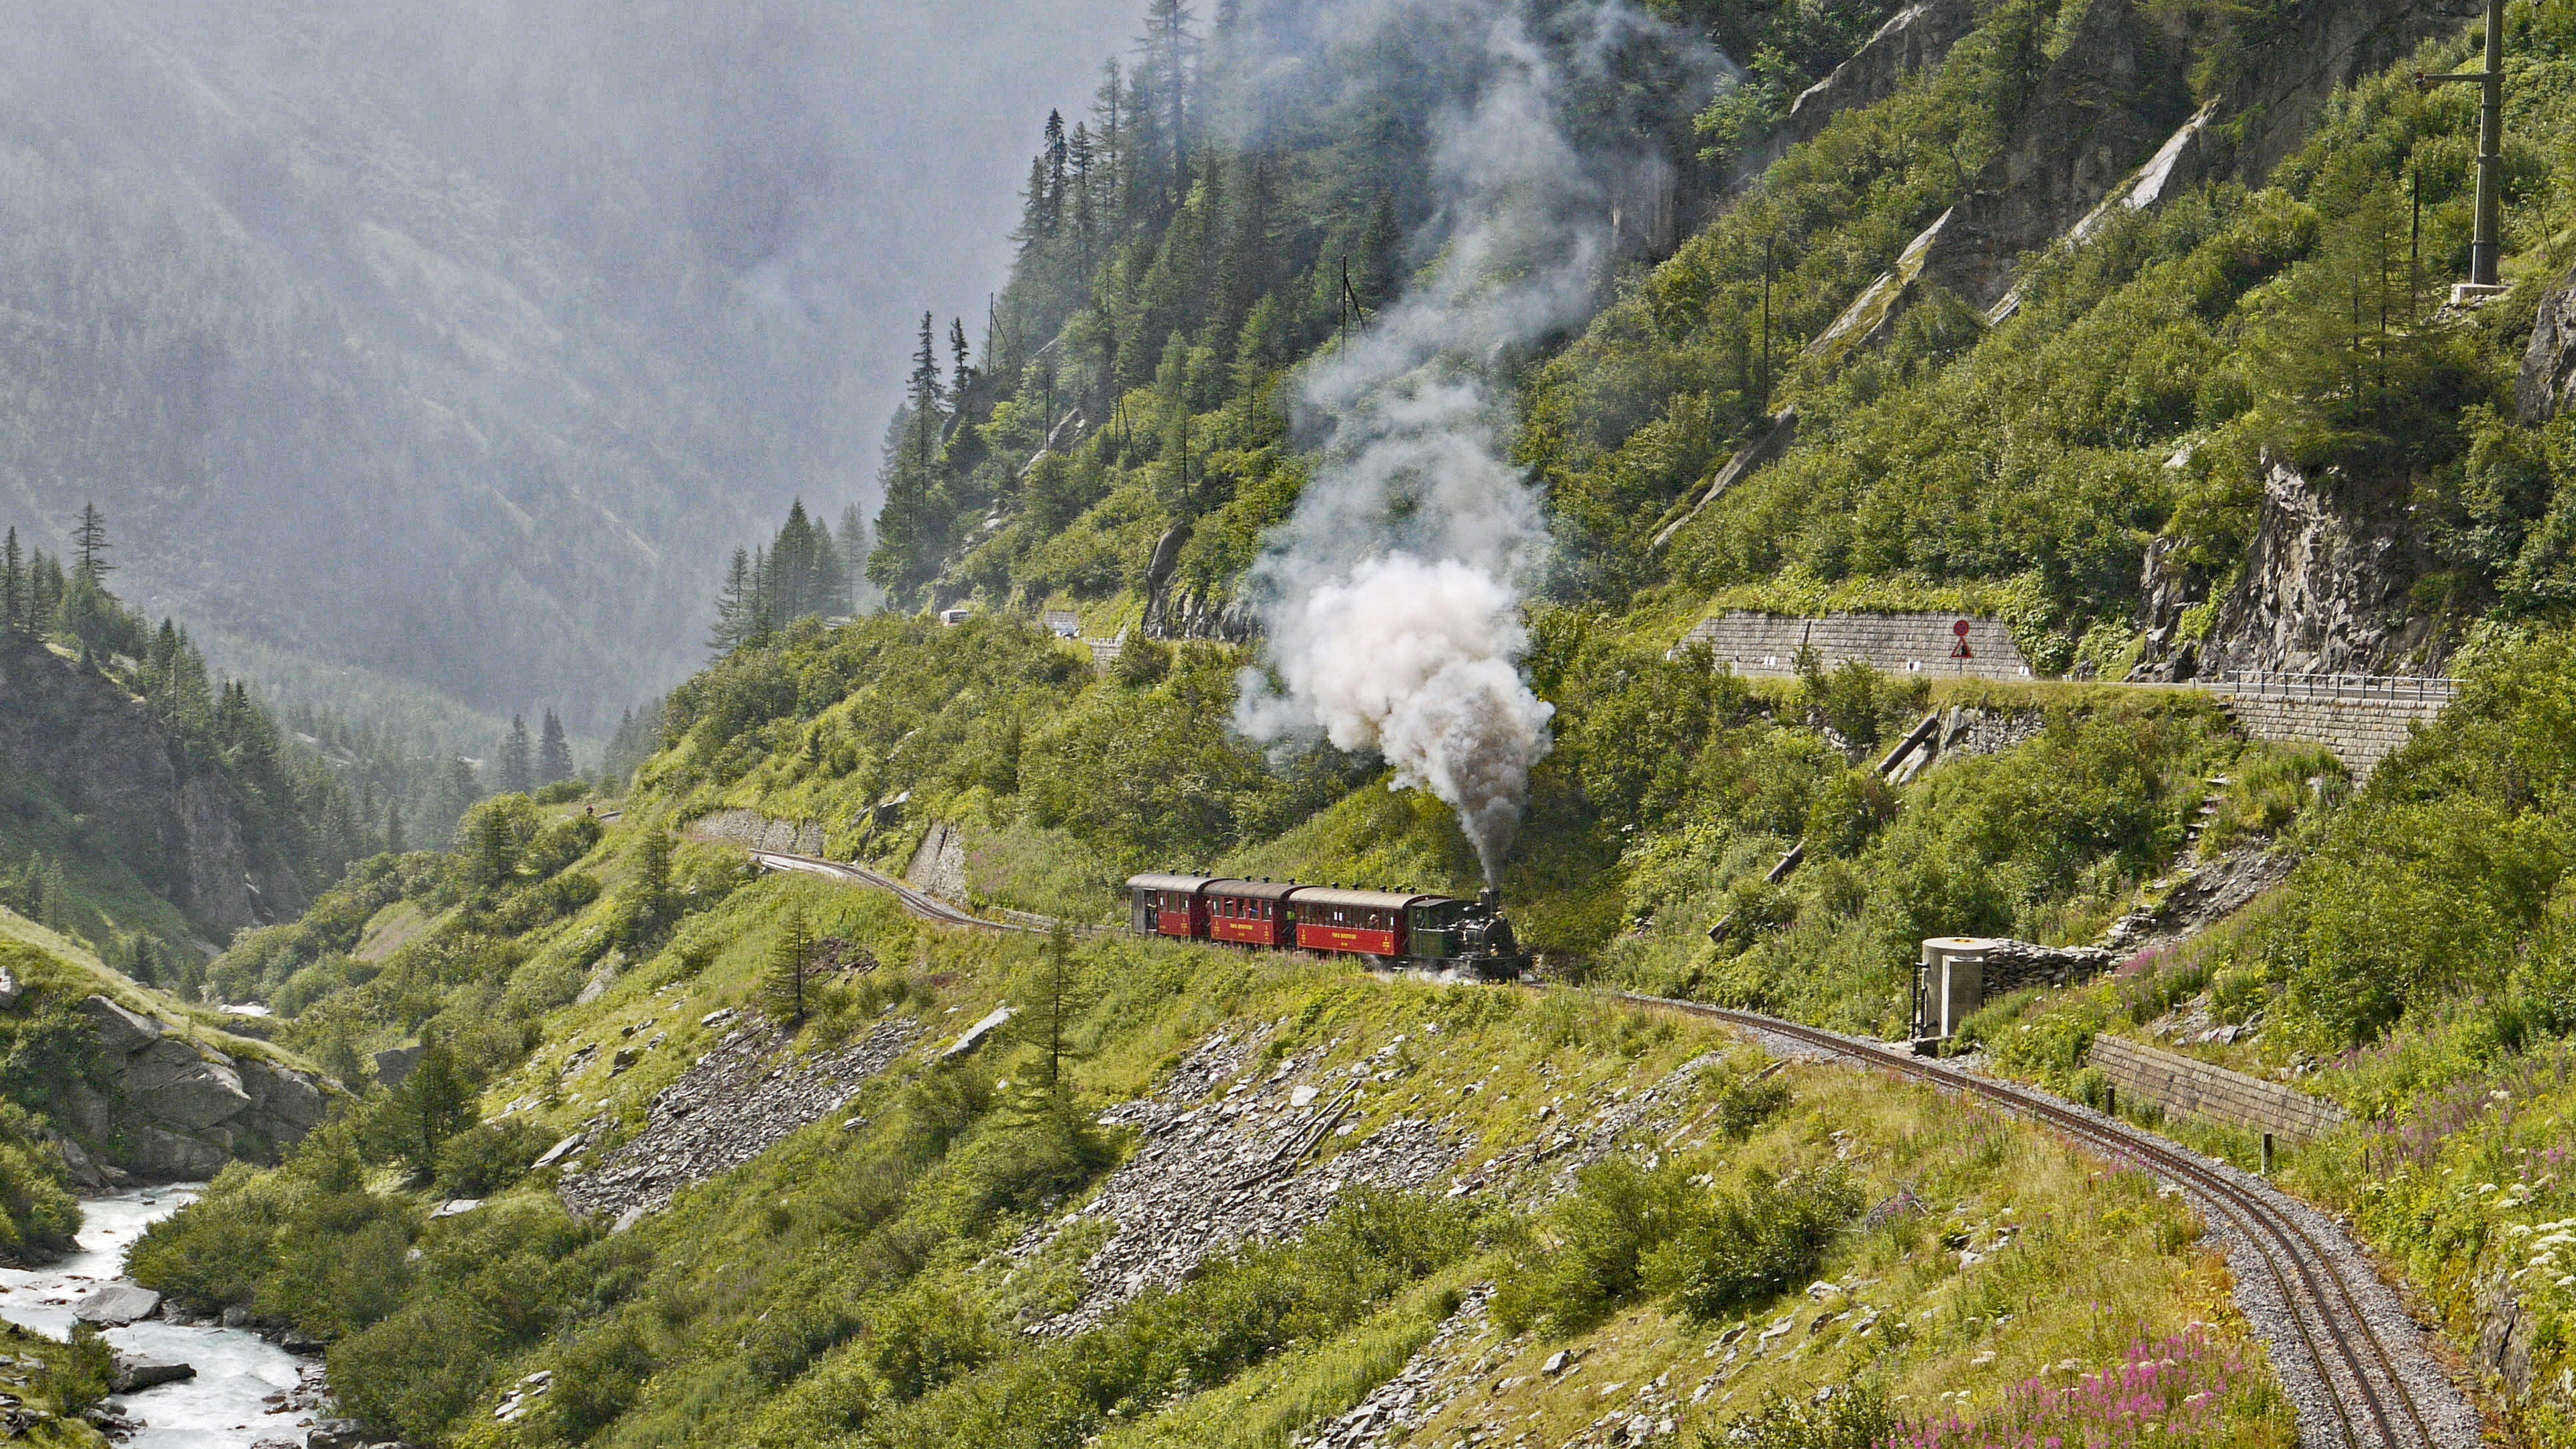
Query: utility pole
point(2485, 243)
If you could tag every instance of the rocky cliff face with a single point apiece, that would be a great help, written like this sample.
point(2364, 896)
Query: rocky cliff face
point(158, 1107)
point(176, 823)
point(2326, 584)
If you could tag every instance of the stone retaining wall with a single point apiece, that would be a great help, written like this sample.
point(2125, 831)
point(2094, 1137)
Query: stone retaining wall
point(2183, 1084)
point(754, 831)
point(1901, 644)
point(2361, 732)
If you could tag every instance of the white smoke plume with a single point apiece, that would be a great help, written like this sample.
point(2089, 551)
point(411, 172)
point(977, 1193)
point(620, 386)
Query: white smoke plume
point(1393, 595)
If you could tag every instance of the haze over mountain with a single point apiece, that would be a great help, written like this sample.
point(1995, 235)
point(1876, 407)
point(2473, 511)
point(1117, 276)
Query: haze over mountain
point(458, 341)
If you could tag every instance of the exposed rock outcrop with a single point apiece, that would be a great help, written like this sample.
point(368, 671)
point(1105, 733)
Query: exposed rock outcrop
point(2327, 584)
point(2547, 384)
point(1915, 38)
point(176, 822)
point(163, 1108)
point(754, 831)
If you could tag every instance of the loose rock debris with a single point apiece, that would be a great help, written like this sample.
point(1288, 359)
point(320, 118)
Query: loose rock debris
point(733, 1105)
point(1242, 1165)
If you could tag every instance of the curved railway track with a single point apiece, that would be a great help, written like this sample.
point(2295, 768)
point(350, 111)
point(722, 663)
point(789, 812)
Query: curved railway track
point(2370, 1382)
point(921, 905)
point(2355, 1365)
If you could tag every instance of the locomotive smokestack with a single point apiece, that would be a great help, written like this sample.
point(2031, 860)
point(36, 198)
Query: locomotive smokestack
point(1491, 898)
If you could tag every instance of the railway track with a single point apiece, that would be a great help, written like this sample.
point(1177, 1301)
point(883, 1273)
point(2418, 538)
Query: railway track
point(921, 905)
point(2355, 1366)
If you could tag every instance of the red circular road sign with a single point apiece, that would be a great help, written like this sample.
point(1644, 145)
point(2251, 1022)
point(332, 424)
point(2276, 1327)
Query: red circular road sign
point(1960, 628)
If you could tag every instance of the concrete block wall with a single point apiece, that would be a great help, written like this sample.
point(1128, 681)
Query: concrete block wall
point(2361, 732)
point(2183, 1084)
point(1900, 644)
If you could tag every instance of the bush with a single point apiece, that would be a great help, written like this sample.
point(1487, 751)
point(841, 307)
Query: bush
point(484, 1159)
point(1856, 1418)
point(925, 1336)
point(1598, 1239)
point(1752, 1243)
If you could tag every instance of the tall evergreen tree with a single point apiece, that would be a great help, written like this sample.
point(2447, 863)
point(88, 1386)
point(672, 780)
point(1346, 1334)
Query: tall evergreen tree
point(518, 763)
point(554, 752)
point(15, 608)
point(733, 607)
point(89, 544)
point(788, 987)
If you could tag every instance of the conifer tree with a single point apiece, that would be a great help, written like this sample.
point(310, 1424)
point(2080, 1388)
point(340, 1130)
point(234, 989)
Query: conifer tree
point(788, 986)
point(393, 827)
point(733, 607)
point(517, 762)
point(554, 752)
point(1054, 994)
point(15, 609)
point(89, 542)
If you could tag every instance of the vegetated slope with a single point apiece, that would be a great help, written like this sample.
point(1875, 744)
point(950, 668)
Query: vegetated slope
point(144, 807)
point(2413, 968)
point(1187, 1157)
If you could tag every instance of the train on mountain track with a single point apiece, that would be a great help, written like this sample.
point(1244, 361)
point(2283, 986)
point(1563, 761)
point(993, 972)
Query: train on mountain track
point(1398, 929)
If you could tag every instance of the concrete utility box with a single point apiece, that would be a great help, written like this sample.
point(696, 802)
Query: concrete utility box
point(1949, 985)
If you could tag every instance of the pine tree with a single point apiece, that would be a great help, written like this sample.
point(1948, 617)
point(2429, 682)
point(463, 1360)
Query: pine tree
point(788, 987)
point(16, 612)
point(554, 752)
point(431, 1105)
point(733, 607)
point(89, 540)
point(517, 763)
point(965, 374)
point(393, 827)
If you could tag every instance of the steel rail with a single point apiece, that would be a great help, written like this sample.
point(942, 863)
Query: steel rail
point(917, 903)
point(2257, 1219)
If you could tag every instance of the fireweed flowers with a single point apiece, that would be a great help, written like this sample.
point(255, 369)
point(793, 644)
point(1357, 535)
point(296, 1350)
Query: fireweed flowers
point(2167, 1393)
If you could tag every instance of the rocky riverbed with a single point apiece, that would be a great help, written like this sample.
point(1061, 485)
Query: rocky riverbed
point(245, 1391)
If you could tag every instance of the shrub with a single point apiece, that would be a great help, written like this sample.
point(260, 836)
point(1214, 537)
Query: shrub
point(1856, 1418)
point(1752, 1243)
point(484, 1159)
point(1599, 1237)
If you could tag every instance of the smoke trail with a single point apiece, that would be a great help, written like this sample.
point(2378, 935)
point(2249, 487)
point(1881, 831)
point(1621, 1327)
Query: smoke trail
point(1393, 595)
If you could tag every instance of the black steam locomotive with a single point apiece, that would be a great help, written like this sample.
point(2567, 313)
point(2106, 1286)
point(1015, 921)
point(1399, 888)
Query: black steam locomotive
point(1417, 932)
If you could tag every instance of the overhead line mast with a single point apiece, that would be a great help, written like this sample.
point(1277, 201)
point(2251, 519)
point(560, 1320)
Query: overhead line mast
point(2485, 245)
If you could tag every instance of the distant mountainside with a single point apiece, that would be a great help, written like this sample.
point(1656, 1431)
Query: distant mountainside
point(395, 346)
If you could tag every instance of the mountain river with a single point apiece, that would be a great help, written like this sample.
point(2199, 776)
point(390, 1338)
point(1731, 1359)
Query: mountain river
point(245, 1386)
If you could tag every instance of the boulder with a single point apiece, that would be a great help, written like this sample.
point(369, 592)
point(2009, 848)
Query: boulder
point(171, 1084)
point(337, 1434)
point(119, 1030)
point(163, 1155)
point(137, 1372)
point(10, 990)
point(394, 1065)
point(114, 1304)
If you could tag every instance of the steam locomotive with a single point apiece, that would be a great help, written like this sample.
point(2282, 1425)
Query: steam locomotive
point(1416, 932)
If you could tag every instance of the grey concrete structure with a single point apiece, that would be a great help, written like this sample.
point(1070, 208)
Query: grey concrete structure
point(2184, 1084)
point(1902, 644)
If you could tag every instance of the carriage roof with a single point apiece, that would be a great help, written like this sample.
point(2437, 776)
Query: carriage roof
point(1189, 883)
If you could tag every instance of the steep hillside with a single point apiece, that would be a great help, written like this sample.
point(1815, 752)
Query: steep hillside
point(1183, 1197)
point(660, 1150)
point(148, 810)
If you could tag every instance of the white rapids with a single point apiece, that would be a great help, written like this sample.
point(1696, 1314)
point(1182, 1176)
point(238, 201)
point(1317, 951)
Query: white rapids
point(228, 1404)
